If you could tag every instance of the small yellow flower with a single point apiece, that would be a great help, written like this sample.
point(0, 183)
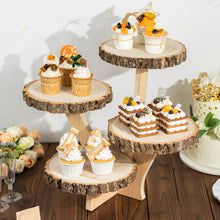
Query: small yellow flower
point(126, 100)
point(167, 108)
point(133, 103)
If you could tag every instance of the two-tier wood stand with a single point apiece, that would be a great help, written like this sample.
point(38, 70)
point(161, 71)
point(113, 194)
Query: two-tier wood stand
point(134, 156)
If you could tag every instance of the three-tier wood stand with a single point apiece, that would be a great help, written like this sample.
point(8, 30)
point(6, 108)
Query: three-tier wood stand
point(134, 156)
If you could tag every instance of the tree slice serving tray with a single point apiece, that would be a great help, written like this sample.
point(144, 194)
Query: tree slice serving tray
point(174, 54)
point(124, 173)
point(160, 144)
point(65, 101)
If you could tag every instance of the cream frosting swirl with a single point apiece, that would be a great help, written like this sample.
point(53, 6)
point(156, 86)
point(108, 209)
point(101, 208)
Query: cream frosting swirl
point(94, 141)
point(105, 154)
point(63, 138)
point(66, 65)
point(82, 72)
point(51, 73)
point(73, 155)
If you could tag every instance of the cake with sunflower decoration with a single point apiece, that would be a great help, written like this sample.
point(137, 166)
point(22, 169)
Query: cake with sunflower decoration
point(128, 108)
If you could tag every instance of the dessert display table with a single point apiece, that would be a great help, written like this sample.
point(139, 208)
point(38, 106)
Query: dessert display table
point(144, 150)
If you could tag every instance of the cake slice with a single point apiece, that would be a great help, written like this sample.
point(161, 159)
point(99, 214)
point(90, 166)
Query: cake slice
point(172, 119)
point(144, 124)
point(158, 104)
point(128, 108)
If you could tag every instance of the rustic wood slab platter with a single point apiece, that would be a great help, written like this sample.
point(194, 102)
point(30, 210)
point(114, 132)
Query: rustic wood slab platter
point(159, 144)
point(65, 101)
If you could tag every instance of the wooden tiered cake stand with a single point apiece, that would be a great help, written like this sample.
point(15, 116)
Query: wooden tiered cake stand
point(97, 189)
point(144, 150)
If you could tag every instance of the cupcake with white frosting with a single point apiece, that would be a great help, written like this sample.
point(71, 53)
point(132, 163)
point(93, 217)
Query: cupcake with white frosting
point(94, 141)
point(81, 81)
point(123, 34)
point(50, 75)
point(69, 59)
point(102, 159)
point(67, 138)
point(72, 161)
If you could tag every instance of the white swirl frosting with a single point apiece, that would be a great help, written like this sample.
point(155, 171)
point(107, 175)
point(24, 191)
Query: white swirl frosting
point(166, 101)
point(51, 73)
point(82, 72)
point(63, 138)
point(105, 154)
point(73, 155)
point(146, 118)
point(66, 65)
point(94, 141)
point(178, 115)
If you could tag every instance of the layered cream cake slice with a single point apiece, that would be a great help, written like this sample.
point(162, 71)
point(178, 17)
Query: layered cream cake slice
point(144, 124)
point(128, 108)
point(158, 104)
point(172, 119)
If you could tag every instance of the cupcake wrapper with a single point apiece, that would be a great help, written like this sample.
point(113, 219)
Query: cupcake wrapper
point(102, 168)
point(50, 85)
point(66, 80)
point(81, 86)
point(72, 170)
point(155, 45)
point(123, 42)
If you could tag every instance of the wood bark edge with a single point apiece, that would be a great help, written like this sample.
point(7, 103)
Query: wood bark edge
point(88, 189)
point(74, 108)
point(144, 63)
point(126, 145)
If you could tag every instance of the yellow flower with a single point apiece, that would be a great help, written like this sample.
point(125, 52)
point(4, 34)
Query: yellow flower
point(126, 100)
point(167, 108)
point(133, 103)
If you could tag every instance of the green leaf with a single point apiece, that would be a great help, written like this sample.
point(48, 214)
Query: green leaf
point(208, 118)
point(195, 119)
point(214, 122)
point(202, 132)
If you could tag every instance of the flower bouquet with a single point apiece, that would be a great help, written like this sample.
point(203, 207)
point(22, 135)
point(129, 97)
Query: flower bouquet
point(26, 145)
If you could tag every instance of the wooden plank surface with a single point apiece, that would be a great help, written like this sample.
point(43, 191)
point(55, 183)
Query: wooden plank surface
point(173, 192)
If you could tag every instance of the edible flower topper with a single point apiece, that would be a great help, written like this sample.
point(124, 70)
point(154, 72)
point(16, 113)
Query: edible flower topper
point(172, 109)
point(129, 101)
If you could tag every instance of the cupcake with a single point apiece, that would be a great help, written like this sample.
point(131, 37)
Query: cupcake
point(69, 59)
point(102, 159)
point(145, 20)
point(72, 161)
point(81, 81)
point(155, 39)
point(94, 141)
point(50, 75)
point(67, 138)
point(123, 34)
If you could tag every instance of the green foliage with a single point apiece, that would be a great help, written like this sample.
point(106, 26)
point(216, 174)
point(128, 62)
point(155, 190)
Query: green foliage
point(210, 124)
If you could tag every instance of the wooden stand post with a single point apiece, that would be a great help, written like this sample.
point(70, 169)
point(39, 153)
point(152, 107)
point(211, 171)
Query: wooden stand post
point(137, 189)
point(80, 122)
point(141, 83)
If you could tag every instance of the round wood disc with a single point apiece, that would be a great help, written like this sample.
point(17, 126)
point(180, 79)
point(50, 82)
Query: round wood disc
point(88, 183)
point(137, 57)
point(65, 101)
point(161, 143)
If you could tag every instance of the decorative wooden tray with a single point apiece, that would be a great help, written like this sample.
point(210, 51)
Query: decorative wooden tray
point(137, 57)
point(124, 173)
point(162, 143)
point(65, 101)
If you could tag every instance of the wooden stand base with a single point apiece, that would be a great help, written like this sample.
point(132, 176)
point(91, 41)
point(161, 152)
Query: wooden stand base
point(135, 191)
